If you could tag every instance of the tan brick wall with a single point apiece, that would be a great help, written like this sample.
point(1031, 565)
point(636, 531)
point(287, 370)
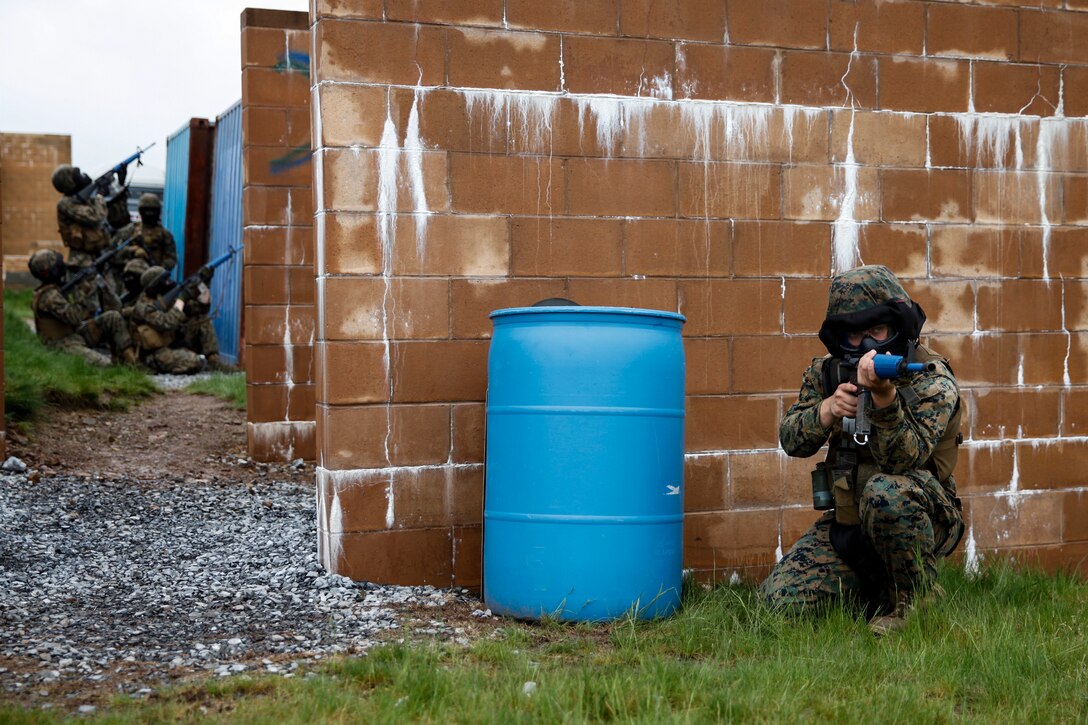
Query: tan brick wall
point(278, 284)
point(29, 211)
point(719, 159)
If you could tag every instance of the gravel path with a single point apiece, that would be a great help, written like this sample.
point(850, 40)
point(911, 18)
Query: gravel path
point(120, 585)
point(167, 381)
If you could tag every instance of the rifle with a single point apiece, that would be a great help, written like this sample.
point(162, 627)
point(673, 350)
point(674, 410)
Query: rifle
point(886, 367)
point(95, 268)
point(204, 274)
point(102, 184)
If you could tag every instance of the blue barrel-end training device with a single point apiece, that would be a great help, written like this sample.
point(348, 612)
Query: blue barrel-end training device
point(583, 510)
point(889, 367)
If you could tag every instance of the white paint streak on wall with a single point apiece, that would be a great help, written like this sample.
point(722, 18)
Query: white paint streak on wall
point(413, 152)
point(388, 154)
point(844, 238)
point(971, 558)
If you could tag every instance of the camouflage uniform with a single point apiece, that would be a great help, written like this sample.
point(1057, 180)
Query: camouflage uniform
point(150, 236)
point(159, 332)
point(70, 324)
point(84, 225)
point(159, 244)
point(909, 517)
point(197, 332)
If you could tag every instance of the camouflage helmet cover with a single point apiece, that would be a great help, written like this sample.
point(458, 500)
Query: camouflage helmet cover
point(135, 267)
point(868, 296)
point(66, 179)
point(42, 262)
point(149, 276)
point(149, 201)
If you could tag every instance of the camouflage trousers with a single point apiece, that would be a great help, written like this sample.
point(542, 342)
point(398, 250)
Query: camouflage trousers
point(908, 522)
point(198, 334)
point(175, 360)
point(107, 330)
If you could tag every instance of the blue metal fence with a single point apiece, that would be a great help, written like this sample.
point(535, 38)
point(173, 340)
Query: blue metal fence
point(176, 190)
point(226, 231)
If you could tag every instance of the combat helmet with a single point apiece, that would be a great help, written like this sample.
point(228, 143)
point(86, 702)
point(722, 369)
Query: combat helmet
point(66, 179)
point(149, 201)
point(152, 275)
point(46, 264)
point(135, 268)
point(868, 296)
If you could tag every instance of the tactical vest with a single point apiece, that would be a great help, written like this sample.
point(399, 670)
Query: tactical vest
point(80, 238)
point(151, 339)
point(48, 328)
point(942, 460)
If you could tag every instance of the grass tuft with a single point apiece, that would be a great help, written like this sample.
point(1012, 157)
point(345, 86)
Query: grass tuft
point(35, 376)
point(231, 387)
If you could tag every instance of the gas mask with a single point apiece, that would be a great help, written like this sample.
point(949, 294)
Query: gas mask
point(150, 217)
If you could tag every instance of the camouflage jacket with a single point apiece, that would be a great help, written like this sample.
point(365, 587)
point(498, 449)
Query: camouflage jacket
point(147, 311)
point(159, 245)
point(82, 225)
point(904, 433)
point(55, 316)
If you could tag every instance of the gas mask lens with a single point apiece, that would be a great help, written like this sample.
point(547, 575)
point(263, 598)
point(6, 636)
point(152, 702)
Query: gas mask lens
point(872, 338)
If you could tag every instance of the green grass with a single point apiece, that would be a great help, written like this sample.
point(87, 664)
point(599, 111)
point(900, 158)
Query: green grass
point(35, 376)
point(1006, 647)
point(231, 387)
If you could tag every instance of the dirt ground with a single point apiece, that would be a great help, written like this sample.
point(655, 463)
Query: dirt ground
point(173, 436)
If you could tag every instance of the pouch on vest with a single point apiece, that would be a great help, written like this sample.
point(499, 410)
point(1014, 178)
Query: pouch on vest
point(151, 339)
point(48, 328)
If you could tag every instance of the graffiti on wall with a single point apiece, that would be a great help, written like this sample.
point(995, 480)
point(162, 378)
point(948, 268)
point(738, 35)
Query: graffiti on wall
point(296, 156)
point(295, 61)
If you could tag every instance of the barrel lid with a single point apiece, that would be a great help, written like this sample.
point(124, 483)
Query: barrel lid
point(586, 310)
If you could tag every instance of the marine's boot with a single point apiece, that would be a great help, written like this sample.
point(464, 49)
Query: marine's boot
point(129, 356)
point(895, 621)
point(905, 604)
point(216, 363)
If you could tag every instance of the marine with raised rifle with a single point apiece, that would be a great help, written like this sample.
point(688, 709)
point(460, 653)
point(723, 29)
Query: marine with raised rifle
point(889, 409)
point(78, 315)
point(90, 209)
point(166, 335)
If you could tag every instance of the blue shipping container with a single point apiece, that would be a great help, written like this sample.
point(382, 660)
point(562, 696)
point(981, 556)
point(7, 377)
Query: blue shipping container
point(583, 502)
point(225, 231)
point(176, 191)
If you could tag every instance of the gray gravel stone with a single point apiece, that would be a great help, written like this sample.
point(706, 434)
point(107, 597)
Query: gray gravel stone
point(166, 381)
point(97, 575)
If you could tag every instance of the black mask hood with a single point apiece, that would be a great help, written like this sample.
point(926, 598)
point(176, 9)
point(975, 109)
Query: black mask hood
point(905, 317)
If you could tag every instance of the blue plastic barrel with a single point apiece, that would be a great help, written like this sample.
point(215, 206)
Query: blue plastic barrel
point(583, 509)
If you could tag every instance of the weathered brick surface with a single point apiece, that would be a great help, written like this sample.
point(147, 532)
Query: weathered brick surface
point(877, 26)
point(828, 79)
point(971, 31)
point(707, 158)
point(924, 84)
point(278, 280)
point(28, 212)
point(503, 59)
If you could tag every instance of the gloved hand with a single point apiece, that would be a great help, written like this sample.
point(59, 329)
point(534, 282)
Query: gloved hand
point(206, 273)
point(122, 175)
